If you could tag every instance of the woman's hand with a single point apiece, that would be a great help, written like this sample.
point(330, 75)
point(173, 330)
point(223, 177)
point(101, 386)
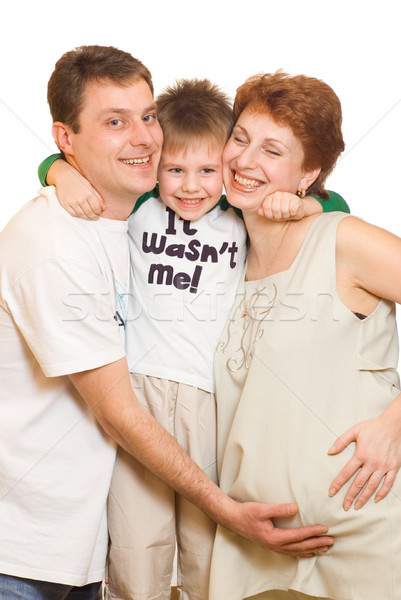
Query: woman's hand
point(377, 458)
point(74, 192)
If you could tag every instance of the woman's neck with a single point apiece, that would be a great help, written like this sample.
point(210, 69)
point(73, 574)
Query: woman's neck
point(273, 244)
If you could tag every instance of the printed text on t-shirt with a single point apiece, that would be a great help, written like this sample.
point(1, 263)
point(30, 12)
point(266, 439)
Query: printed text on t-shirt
point(194, 251)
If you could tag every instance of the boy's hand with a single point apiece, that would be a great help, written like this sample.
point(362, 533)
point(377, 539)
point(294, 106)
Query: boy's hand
point(283, 206)
point(74, 192)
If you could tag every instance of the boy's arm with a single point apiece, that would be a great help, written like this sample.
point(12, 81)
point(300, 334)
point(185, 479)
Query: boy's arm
point(44, 167)
point(335, 202)
point(74, 192)
point(282, 206)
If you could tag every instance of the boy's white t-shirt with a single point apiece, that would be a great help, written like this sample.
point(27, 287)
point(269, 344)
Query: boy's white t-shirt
point(63, 288)
point(185, 277)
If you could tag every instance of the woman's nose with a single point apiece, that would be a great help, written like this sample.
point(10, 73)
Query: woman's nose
point(247, 159)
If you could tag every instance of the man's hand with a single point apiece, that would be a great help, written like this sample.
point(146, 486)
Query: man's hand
point(255, 523)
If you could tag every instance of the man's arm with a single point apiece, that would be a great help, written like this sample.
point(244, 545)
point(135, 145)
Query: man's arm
point(108, 392)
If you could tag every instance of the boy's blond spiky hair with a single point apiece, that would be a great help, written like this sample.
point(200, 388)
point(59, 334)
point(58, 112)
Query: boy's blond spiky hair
point(194, 110)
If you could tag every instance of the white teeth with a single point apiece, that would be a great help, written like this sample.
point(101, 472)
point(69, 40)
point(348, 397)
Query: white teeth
point(193, 201)
point(250, 183)
point(135, 161)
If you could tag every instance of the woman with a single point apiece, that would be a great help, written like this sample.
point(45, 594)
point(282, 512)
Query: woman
point(310, 350)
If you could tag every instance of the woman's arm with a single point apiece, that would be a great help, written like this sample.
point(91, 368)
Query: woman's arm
point(368, 268)
point(368, 259)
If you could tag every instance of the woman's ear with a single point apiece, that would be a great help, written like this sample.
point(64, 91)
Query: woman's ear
point(308, 178)
point(62, 136)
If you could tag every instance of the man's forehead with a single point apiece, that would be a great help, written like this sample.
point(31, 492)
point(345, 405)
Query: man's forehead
point(107, 94)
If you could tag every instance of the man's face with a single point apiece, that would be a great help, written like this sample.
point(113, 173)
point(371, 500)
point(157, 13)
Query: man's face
point(119, 142)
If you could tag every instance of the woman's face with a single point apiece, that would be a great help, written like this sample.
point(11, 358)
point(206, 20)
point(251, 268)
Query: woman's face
point(261, 157)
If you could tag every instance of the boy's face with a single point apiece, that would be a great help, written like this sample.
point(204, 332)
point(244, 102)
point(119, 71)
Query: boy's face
point(191, 180)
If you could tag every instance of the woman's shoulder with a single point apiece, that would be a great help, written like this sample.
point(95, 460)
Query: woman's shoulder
point(368, 258)
point(354, 231)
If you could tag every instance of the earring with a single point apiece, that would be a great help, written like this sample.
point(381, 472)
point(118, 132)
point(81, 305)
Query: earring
point(301, 193)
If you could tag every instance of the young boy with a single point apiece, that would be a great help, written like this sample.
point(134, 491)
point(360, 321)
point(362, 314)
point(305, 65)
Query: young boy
point(188, 249)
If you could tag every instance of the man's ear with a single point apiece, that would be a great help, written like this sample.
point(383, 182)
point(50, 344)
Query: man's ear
point(308, 178)
point(62, 136)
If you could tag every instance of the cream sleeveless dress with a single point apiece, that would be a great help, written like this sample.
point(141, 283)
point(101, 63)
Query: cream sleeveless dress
point(294, 373)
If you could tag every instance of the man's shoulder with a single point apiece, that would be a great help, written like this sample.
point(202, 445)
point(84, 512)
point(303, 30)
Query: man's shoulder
point(38, 221)
point(29, 223)
point(42, 231)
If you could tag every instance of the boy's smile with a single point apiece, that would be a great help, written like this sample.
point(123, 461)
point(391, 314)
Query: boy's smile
point(191, 180)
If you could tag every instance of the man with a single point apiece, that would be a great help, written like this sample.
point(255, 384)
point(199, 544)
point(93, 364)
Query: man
point(65, 391)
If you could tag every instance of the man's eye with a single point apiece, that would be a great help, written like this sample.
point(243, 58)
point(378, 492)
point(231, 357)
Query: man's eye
point(115, 122)
point(149, 118)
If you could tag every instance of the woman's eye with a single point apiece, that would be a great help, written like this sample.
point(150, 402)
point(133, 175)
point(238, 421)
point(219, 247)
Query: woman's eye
point(272, 151)
point(239, 140)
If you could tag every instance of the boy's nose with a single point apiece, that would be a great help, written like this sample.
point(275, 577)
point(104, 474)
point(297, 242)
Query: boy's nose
point(191, 184)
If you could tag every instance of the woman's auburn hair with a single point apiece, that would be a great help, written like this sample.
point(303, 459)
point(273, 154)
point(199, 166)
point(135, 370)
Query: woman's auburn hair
point(309, 107)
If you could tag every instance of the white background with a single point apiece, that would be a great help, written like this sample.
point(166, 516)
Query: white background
point(354, 45)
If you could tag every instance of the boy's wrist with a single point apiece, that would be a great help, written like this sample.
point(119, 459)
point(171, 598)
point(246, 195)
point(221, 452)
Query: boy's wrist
point(44, 167)
point(312, 206)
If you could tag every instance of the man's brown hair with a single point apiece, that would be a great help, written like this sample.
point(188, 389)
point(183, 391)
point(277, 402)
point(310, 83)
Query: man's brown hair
point(67, 84)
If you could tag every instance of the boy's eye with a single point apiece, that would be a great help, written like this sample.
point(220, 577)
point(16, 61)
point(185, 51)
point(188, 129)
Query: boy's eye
point(207, 171)
point(176, 170)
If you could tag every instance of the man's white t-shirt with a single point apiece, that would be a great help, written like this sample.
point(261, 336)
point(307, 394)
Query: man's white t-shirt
point(186, 276)
point(63, 288)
